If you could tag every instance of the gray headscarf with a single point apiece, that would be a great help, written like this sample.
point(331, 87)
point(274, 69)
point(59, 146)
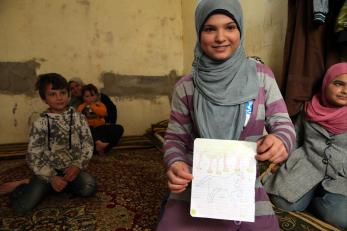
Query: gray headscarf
point(222, 87)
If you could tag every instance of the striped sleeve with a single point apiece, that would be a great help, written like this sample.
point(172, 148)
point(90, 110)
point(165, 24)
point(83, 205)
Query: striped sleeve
point(179, 131)
point(277, 121)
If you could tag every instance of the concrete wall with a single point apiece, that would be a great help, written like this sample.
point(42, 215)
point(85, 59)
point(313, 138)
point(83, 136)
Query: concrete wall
point(189, 35)
point(132, 50)
point(130, 44)
point(265, 30)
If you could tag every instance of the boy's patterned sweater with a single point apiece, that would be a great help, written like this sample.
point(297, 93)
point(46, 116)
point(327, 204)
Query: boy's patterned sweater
point(58, 141)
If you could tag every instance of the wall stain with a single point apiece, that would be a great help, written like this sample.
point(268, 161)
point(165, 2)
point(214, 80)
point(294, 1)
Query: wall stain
point(96, 35)
point(163, 22)
point(163, 57)
point(75, 56)
point(14, 109)
point(84, 2)
point(138, 87)
point(99, 54)
point(109, 37)
point(18, 77)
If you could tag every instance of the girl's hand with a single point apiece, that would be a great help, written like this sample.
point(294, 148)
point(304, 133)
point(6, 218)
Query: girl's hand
point(179, 176)
point(272, 149)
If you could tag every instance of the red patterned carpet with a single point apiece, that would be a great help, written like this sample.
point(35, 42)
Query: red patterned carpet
point(131, 183)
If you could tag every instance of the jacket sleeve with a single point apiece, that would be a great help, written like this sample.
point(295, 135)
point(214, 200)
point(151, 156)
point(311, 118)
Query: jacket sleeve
point(179, 129)
point(85, 153)
point(111, 109)
point(37, 160)
point(99, 109)
point(277, 121)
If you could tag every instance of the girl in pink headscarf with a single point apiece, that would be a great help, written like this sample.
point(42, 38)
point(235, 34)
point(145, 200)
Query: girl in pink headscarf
point(315, 174)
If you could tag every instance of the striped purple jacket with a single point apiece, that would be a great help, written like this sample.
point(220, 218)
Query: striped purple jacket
point(269, 114)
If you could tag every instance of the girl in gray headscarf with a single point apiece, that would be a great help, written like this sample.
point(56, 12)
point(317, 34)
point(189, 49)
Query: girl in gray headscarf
point(227, 96)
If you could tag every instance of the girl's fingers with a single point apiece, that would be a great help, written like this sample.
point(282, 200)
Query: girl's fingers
point(280, 159)
point(182, 171)
point(280, 155)
point(264, 156)
point(174, 179)
point(185, 175)
point(179, 177)
point(176, 188)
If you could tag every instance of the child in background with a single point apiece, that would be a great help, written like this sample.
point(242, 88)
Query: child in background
point(315, 176)
point(60, 147)
point(105, 136)
point(95, 111)
point(92, 107)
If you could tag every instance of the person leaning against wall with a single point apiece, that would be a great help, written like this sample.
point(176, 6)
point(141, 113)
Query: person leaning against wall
point(108, 134)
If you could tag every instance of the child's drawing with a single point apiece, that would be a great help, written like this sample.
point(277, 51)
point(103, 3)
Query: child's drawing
point(224, 179)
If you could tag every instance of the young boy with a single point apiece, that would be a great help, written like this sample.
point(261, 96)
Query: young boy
point(60, 147)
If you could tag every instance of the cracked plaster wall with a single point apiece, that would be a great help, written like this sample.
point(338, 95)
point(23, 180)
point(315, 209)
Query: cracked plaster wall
point(134, 42)
point(132, 51)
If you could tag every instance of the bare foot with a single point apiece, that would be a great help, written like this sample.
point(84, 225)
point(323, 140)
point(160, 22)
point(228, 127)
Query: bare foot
point(8, 187)
point(100, 146)
point(99, 151)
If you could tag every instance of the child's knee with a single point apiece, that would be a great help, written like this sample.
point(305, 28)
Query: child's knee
point(332, 208)
point(336, 219)
point(88, 190)
point(284, 204)
point(19, 203)
point(88, 186)
point(25, 197)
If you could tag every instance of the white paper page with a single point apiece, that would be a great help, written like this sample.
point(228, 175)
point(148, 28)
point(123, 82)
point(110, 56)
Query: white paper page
point(224, 174)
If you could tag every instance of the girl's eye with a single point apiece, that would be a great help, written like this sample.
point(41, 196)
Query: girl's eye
point(231, 27)
point(208, 29)
point(338, 84)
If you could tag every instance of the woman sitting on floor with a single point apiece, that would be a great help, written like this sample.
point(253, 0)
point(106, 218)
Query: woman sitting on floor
point(107, 134)
point(315, 175)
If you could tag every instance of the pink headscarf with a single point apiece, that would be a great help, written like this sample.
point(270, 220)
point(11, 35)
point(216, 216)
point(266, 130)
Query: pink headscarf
point(333, 119)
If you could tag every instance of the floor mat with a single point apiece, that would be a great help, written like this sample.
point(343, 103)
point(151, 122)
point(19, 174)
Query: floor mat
point(131, 185)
